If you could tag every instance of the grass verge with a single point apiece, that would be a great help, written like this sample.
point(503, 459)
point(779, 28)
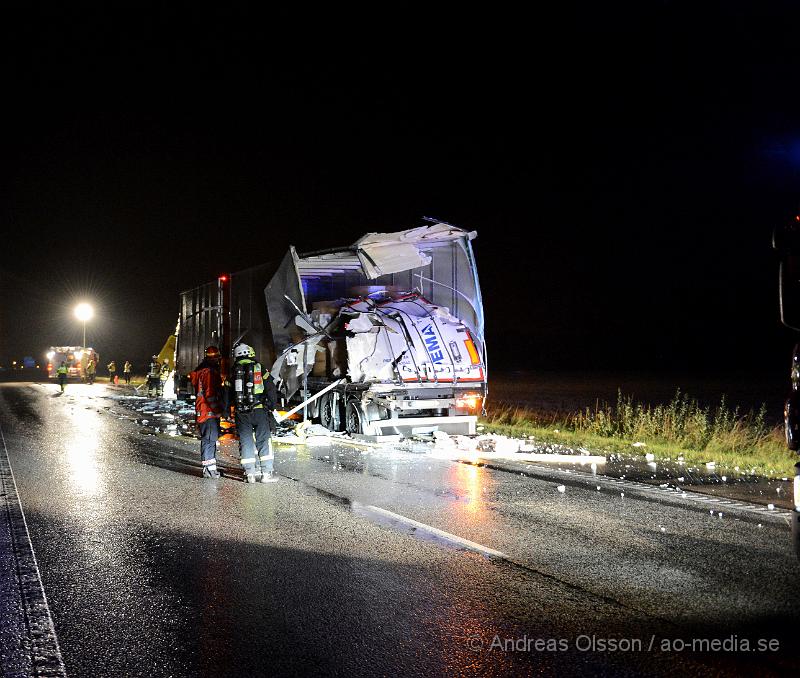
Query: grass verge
point(681, 428)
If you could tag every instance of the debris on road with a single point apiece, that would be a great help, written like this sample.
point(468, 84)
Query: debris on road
point(157, 416)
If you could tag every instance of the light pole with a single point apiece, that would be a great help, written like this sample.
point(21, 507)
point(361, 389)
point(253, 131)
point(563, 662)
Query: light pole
point(84, 312)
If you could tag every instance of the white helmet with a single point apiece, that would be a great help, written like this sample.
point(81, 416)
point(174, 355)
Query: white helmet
point(243, 351)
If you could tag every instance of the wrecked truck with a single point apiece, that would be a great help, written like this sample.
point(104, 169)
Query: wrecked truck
point(384, 337)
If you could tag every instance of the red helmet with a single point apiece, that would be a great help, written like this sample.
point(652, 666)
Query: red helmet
point(213, 352)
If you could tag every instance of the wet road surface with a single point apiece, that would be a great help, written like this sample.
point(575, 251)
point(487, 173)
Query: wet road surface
point(374, 562)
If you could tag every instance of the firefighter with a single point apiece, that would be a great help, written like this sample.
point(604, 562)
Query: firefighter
point(112, 371)
point(62, 374)
point(209, 406)
point(162, 377)
point(254, 396)
point(91, 370)
point(153, 377)
point(126, 371)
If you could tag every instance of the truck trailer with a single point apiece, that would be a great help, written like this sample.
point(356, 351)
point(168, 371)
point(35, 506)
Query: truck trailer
point(383, 337)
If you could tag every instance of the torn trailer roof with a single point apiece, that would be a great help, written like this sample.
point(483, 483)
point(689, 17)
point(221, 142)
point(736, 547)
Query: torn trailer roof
point(436, 261)
point(392, 308)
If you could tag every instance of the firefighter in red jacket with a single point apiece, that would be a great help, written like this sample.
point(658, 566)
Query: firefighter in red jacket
point(209, 406)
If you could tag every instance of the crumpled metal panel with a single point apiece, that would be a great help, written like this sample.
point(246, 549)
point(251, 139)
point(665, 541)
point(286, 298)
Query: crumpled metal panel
point(435, 261)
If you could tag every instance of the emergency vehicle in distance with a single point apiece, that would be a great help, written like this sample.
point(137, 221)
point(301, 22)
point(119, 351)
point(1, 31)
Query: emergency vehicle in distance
point(387, 333)
point(77, 358)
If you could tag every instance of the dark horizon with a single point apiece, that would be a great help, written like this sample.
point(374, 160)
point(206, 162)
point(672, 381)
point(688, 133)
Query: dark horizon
point(624, 206)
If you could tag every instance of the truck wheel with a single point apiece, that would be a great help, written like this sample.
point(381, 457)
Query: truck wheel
point(329, 411)
point(354, 418)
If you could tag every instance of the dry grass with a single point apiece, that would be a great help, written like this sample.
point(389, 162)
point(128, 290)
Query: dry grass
point(680, 428)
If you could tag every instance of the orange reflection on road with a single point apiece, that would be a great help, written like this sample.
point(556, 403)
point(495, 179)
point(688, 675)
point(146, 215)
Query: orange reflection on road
point(468, 482)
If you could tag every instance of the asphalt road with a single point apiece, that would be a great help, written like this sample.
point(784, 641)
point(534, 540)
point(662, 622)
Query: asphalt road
point(373, 562)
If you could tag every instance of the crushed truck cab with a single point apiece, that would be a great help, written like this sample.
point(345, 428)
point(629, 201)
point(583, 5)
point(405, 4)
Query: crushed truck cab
point(383, 337)
point(398, 318)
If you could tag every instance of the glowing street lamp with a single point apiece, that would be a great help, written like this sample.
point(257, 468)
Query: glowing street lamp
point(84, 312)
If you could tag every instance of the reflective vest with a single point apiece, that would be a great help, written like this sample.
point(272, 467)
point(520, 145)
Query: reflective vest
point(248, 385)
point(63, 369)
point(90, 367)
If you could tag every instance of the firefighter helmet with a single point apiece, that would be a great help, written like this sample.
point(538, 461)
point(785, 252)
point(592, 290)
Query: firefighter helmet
point(212, 352)
point(244, 351)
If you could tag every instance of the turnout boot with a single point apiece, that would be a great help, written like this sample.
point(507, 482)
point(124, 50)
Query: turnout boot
point(214, 474)
point(269, 477)
point(250, 478)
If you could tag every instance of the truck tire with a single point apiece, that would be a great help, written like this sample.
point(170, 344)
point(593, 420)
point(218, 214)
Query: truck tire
point(329, 412)
point(354, 417)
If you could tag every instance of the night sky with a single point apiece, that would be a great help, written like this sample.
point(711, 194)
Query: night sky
point(623, 169)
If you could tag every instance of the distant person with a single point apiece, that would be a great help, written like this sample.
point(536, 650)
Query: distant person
point(162, 377)
point(112, 371)
point(254, 395)
point(91, 371)
point(153, 377)
point(62, 372)
point(126, 371)
point(208, 406)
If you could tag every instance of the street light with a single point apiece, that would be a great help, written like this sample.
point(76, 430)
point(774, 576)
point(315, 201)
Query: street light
point(84, 312)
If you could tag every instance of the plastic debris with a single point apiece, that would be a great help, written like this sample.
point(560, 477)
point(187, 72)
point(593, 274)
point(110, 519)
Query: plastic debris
point(637, 444)
point(562, 489)
point(306, 429)
point(443, 441)
point(486, 445)
point(771, 507)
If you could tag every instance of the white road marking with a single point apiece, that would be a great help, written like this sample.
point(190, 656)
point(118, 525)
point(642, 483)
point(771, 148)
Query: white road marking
point(422, 527)
point(45, 653)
